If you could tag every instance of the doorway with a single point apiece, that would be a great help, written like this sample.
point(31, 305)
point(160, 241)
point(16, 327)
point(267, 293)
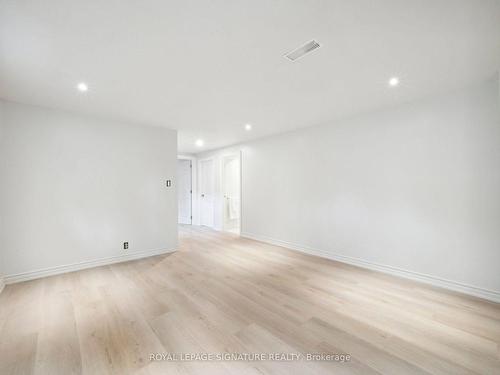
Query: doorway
point(184, 191)
point(206, 193)
point(231, 189)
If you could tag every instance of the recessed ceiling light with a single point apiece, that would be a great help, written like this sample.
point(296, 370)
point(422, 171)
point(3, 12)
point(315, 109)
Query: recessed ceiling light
point(248, 127)
point(394, 81)
point(82, 86)
point(199, 142)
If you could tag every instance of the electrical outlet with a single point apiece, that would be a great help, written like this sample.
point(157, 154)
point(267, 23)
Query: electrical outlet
point(169, 183)
point(125, 245)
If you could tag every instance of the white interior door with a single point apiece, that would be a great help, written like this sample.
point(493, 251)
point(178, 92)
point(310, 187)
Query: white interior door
point(207, 187)
point(184, 191)
point(231, 190)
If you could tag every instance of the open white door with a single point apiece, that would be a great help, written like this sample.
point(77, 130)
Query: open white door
point(206, 191)
point(231, 178)
point(184, 191)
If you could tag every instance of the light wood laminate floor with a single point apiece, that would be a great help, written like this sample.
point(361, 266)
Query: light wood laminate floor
point(220, 293)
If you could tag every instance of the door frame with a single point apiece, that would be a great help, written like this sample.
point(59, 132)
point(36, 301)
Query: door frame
point(236, 155)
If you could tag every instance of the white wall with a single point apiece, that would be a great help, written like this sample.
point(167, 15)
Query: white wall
point(414, 188)
point(74, 188)
point(2, 249)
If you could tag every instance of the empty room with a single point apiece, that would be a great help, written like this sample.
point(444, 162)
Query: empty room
point(249, 187)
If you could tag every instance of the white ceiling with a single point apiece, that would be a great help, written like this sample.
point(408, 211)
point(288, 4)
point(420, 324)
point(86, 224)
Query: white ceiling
point(208, 67)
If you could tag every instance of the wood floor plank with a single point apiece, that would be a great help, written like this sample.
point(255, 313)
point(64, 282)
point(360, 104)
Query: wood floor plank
point(58, 349)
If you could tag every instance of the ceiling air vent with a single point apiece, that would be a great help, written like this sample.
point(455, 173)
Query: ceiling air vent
point(302, 50)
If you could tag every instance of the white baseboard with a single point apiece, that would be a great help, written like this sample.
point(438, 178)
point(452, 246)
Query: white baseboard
point(2, 284)
point(490, 295)
point(31, 275)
